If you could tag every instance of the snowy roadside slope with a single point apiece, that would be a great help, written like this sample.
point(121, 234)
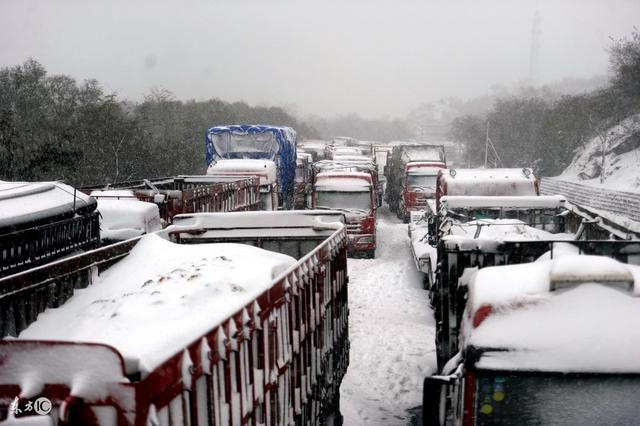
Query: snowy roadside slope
point(391, 329)
point(621, 171)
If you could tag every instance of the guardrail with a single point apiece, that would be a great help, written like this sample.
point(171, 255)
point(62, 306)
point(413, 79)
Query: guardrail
point(41, 244)
point(620, 207)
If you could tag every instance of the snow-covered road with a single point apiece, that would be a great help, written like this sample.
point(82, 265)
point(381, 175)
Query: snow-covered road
point(391, 331)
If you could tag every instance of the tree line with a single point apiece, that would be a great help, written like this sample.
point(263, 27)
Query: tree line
point(54, 128)
point(533, 130)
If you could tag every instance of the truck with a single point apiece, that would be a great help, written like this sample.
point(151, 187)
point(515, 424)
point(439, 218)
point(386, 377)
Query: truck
point(220, 319)
point(357, 163)
point(186, 194)
point(472, 216)
point(44, 221)
point(411, 175)
point(266, 151)
point(353, 193)
point(548, 342)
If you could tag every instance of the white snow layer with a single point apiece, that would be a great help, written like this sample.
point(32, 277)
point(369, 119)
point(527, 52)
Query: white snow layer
point(265, 168)
point(124, 219)
point(494, 231)
point(391, 332)
point(489, 182)
point(161, 297)
point(342, 181)
point(22, 202)
point(586, 327)
point(621, 170)
point(541, 202)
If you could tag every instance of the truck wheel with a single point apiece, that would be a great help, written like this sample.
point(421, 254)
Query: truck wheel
point(371, 254)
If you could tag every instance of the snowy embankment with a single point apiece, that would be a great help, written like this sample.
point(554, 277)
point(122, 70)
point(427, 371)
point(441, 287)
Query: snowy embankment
point(391, 330)
point(619, 170)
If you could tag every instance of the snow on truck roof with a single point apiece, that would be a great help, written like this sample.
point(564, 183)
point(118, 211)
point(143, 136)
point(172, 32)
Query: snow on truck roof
point(422, 152)
point(151, 304)
point(573, 313)
point(343, 181)
point(23, 202)
point(244, 167)
point(126, 218)
point(540, 202)
point(512, 182)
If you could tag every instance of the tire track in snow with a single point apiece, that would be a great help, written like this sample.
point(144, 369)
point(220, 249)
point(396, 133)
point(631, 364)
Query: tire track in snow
point(391, 330)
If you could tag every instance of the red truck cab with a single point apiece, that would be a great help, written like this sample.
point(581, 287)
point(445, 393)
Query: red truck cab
point(419, 185)
point(354, 194)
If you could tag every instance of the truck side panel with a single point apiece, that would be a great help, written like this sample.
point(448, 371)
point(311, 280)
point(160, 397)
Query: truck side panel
point(279, 359)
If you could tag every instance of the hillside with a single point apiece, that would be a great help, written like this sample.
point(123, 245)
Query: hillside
point(621, 169)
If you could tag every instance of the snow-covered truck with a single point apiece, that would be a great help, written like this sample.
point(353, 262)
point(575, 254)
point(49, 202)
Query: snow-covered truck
point(467, 216)
point(550, 342)
point(486, 182)
point(268, 152)
point(44, 221)
point(353, 163)
point(353, 193)
point(411, 174)
point(220, 319)
point(186, 194)
point(512, 233)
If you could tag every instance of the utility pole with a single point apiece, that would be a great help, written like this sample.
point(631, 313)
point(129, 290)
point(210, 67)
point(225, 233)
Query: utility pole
point(486, 146)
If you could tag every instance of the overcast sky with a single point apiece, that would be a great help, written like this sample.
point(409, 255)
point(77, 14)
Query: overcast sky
point(374, 57)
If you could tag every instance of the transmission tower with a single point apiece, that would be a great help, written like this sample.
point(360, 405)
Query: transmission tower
point(534, 58)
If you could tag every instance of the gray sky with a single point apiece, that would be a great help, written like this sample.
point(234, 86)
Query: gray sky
point(375, 57)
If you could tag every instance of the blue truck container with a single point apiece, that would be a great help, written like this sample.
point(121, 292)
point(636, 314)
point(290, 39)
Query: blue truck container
point(257, 142)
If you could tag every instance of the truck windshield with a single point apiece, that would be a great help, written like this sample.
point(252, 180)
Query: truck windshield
point(352, 200)
point(249, 146)
point(421, 182)
point(537, 399)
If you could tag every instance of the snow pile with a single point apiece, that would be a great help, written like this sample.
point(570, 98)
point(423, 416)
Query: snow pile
point(622, 156)
point(124, 219)
point(589, 326)
point(88, 370)
point(161, 297)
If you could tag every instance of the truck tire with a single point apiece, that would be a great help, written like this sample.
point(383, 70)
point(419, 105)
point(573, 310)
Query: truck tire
point(370, 254)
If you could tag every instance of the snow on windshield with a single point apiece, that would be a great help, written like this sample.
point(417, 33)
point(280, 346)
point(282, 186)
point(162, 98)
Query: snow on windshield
point(420, 181)
point(358, 200)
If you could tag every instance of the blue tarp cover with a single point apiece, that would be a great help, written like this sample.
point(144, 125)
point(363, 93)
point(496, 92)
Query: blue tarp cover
point(276, 143)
